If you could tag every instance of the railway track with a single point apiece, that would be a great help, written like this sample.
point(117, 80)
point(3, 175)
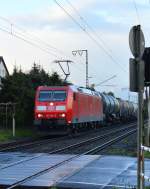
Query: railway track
point(123, 133)
point(73, 146)
point(35, 143)
point(29, 144)
point(100, 139)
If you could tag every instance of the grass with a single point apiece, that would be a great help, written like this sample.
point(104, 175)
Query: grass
point(147, 187)
point(122, 152)
point(126, 153)
point(6, 135)
point(147, 155)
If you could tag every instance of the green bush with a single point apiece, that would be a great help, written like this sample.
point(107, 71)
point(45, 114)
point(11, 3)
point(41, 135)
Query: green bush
point(20, 88)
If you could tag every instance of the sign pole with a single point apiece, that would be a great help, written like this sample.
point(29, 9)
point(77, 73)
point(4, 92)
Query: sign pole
point(13, 121)
point(87, 77)
point(137, 47)
point(140, 180)
point(140, 71)
point(148, 131)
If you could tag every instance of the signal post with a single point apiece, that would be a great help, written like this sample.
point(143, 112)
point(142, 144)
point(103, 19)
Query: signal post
point(137, 47)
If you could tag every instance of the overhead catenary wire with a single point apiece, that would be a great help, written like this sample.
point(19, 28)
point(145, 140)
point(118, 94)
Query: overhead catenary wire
point(139, 19)
point(90, 36)
point(25, 34)
point(23, 37)
point(22, 34)
point(106, 80)
point(27, 41)
point(19, 31)
point(89, 26)
point(33, 37)
point(137, 12)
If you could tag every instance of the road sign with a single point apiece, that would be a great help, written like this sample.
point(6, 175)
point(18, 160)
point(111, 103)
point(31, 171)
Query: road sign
point(136, 41)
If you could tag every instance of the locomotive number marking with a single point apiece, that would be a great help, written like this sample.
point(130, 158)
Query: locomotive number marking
point(51, 108)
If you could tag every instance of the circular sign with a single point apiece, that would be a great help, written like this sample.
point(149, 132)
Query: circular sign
point(136, 41)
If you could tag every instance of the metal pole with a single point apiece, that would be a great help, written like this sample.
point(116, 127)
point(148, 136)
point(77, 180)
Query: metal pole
point(13, 121)
point(87, 77)
point(139, 142)
point(14, 126)
point(6, 115)
point(148, 129)
point(140, 78)
point(86, 57)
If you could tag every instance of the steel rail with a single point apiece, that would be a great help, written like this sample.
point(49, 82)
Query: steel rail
point(109, 143)
point(92, 139)
point(36, 142)
point(30, 143)
point(104, 145)
point(68, 147)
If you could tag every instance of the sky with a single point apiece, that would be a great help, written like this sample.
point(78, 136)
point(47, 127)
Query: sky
point(40, 31)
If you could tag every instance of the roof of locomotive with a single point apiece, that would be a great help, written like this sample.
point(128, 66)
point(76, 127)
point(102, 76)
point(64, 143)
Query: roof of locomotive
point(74, 88)
point(45, 87)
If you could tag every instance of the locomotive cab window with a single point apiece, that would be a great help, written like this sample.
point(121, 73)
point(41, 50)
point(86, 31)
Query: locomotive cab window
point(45, 96)
point(59, 95)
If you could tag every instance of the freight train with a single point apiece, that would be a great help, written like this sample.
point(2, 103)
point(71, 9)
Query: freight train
point(71, 107)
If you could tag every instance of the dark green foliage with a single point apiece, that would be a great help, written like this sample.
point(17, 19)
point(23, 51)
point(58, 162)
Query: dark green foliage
point(20, 88)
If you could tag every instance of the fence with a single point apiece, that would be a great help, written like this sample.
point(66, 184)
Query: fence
point(7, 116)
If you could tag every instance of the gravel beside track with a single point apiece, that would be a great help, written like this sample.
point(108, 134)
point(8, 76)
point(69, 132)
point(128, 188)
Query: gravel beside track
point(10, 146)
point(97, 144)
point(47, 145)
point(125, 147)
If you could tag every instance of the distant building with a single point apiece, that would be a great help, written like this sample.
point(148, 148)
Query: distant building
point(3, 69)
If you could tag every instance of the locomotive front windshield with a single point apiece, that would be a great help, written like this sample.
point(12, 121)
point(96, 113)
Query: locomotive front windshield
point(46, 96)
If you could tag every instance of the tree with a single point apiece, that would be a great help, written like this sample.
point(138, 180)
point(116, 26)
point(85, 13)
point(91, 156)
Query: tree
point(20, 88)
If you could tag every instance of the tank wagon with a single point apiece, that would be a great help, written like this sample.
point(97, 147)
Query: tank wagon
point(111, 107)
point(116, 109)
point(70, 107)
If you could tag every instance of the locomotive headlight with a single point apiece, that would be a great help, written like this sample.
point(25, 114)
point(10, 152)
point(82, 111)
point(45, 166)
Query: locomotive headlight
point(39, 115)
point(51, 103)
point(63, 115)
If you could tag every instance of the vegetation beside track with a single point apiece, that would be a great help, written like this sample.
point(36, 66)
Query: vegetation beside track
point(126, 147)
point(144, 188)
point(19, 88)
point(122, 152)
point(147, 155)
point(21, 133)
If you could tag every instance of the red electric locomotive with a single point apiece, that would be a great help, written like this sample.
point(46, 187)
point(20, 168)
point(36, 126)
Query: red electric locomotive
point(67, 107)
